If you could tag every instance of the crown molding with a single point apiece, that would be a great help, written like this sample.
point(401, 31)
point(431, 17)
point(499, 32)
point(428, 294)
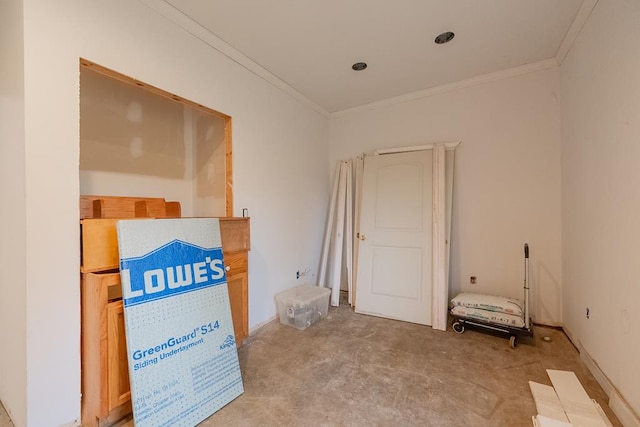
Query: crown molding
point(574, 30)
point(201, 33)
point(474, 81)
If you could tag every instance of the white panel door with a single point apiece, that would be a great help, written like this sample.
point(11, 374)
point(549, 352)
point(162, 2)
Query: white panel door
point(394, 264)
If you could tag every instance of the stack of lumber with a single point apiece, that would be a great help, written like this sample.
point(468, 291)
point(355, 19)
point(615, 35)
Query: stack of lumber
point(566, 403)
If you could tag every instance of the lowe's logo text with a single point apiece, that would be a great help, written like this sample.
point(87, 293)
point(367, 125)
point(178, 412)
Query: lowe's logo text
point(172, 269)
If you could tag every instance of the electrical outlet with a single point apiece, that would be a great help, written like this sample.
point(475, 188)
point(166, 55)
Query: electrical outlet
point(473, 280)
point(304, 273)
point(587, 312)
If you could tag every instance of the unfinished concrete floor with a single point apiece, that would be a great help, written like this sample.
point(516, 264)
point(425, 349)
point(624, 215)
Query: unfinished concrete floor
point(356, 370)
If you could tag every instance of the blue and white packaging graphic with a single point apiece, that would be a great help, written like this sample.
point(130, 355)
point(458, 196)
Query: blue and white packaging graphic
point(183, 362)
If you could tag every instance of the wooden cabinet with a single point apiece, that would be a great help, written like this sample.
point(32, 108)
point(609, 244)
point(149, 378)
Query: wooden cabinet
point(106, 397)
point(238, 284)
point(105, 377)
point(119, 392)
point(235, 251)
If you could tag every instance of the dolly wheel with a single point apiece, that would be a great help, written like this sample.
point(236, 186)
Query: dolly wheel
point(512, 341)
point(457, 327)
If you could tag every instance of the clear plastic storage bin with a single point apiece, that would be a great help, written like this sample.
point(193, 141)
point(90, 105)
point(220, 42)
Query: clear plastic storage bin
point(303, 306)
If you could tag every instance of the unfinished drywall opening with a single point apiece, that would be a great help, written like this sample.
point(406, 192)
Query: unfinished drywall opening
point(138, 140)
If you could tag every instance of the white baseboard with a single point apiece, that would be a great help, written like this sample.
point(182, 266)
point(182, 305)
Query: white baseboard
point(596, 371)
point(74, 423)
point(260, 325)
point(618, 405)
point(623, 411)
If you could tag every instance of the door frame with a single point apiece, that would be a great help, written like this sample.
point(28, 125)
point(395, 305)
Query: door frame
point(441, 235)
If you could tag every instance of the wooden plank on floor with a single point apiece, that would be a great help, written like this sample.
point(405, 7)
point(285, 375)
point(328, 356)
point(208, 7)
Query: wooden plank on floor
point(602, 414)
point(542, 421)
point(547, 402)
point(575, 401)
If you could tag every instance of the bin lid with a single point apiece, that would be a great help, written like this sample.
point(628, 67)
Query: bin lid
point(302, 294)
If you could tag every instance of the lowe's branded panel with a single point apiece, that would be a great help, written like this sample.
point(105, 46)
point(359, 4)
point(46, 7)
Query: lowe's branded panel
point(183, 362)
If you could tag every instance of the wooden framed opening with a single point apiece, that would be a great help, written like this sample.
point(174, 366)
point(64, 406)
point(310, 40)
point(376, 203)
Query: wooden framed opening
point(139, 140)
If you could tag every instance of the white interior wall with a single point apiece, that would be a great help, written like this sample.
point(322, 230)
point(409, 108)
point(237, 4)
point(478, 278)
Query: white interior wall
point(506, 183)
point(601, 192)
point(280, 158)
point(13, 320)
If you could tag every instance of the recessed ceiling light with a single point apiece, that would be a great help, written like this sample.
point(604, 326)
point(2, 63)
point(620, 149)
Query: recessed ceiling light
point(444, 37)
point(359, 66)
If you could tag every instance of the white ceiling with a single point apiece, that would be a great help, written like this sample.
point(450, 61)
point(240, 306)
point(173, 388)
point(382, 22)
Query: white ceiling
point(310, 45)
